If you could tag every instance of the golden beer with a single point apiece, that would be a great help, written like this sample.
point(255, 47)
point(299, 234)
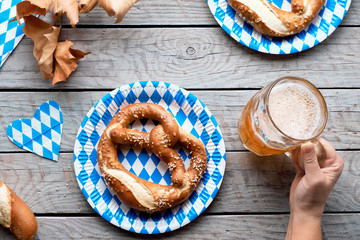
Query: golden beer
point(282, 116)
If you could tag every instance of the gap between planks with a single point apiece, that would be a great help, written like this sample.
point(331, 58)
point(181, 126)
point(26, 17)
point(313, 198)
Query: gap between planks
point(18, 90)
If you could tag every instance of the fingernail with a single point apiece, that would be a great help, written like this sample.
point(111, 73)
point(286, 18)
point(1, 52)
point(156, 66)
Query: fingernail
point(308, 147)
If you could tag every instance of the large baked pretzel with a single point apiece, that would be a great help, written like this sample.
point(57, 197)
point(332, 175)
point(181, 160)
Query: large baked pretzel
point(272, 21)
point(136, 192)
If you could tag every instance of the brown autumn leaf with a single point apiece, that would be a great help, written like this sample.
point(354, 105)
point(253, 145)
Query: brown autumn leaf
point(26, 8)
point(45, 37)
point(86, 6)
point(57, 8)
point(114, 8)
point(66, 59)
point(117, 9)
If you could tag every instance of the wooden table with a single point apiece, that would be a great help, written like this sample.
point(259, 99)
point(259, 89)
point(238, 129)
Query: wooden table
point(180, 42)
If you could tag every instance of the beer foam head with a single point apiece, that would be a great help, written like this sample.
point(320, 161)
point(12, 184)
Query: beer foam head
point(295, 110)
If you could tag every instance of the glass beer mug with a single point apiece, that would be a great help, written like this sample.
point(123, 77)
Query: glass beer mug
point(283, 115)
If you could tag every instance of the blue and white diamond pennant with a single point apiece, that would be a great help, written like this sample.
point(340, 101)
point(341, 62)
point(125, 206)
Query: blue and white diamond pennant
point(42, 133)
point(10, 32)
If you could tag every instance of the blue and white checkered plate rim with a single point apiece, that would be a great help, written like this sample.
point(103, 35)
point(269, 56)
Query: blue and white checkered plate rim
point(191, 114)
point(323, 25)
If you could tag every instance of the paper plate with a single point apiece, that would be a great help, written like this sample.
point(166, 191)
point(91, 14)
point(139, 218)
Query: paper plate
point(191, 114)
point(321, 27)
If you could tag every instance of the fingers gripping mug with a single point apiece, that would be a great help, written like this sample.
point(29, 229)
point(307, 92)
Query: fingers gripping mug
point(283, 115)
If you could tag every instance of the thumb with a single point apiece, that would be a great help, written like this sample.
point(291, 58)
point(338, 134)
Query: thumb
point(308, 155)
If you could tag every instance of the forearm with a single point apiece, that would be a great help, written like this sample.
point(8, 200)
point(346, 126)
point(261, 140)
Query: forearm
point(303, 226)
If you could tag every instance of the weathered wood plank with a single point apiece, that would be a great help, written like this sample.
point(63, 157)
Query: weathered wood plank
point(185, 56)
point(185, 12)
point(353, 17)
point(251, 184)
point(342, 128)
point(334, 226)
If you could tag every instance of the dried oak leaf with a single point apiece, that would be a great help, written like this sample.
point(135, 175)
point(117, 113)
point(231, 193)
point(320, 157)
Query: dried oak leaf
point(117, 9)
point(86, 6)
point(66, 60)
point(45, 37)
point(57, 8)
point(114, 8)
point(26, 8)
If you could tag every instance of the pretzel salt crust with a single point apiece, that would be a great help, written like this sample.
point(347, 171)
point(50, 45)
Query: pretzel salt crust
point(136, 192)
point(272, 21)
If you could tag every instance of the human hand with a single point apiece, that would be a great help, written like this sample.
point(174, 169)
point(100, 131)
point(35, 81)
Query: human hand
point(310, 189)
point(313, 184)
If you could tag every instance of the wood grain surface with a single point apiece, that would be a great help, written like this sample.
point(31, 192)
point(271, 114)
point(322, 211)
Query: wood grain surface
point(195, 58)
point(342, 128)
point(184, 12)
point(180, 42)
point(251, 184)
point(335, 226)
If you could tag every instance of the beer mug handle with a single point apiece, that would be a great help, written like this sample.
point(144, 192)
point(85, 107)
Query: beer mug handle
point(320, 153)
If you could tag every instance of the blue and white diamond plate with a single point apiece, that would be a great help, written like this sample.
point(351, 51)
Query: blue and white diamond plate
point(321, 27)
point(191, 114)
point(10, 32)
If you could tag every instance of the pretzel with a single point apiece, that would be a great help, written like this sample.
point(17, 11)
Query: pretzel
point(139, 193)
point(272, 21)
point(16, 215)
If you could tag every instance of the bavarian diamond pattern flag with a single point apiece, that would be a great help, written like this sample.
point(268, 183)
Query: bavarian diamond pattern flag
point(42, 133)
point(10, 32)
